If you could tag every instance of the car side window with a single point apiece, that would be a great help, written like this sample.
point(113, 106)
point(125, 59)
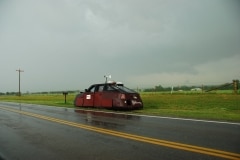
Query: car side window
point(100, 88)
point(109, 88)
point(92, 89)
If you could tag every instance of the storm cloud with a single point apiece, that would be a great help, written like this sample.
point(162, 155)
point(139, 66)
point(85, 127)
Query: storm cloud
point(70, 44)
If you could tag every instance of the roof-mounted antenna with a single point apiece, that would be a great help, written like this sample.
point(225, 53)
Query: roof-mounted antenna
point(109, 76)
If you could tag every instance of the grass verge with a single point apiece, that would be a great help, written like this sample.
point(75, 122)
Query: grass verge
point(223, 107)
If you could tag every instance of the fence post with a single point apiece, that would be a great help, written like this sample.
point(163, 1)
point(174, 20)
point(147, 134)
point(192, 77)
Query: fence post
point(65, 95)
point(235, 86)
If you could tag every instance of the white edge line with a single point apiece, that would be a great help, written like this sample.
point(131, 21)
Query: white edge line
point(149, 116)
point(173, 118)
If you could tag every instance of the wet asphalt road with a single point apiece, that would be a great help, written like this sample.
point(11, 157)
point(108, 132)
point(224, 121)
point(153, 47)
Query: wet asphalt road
point(24, 137)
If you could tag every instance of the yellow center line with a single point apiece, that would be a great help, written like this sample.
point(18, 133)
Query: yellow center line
point(186, 147)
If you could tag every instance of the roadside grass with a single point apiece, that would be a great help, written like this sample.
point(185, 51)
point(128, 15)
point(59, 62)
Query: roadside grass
point(199, 106)
point(42, 99)
point(210, 106)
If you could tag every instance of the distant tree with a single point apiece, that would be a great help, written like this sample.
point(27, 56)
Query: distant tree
point(186, 88)
point(159, 88)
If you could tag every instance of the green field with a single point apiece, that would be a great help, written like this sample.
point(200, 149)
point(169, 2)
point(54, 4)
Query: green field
point(210, 106)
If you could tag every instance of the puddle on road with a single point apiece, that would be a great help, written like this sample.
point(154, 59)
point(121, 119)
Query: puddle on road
point(92, 117)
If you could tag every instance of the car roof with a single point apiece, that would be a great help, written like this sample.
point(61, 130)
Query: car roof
point(109, 83)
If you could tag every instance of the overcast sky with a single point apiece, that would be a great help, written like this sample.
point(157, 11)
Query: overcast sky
point(71, 44)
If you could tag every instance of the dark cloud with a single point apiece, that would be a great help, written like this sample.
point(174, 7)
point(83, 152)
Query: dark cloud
point(71, 44)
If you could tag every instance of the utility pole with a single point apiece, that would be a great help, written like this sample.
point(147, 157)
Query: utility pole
point(19, 73)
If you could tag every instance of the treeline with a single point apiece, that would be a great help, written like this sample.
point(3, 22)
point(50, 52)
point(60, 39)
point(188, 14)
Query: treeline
point(56, 92)
point(9, 93)
point(186, 88)
point(51, 92)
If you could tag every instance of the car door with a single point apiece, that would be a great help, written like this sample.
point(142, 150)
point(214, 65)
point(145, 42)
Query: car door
point(107, 96)
point(89, 97)
point(98, 96)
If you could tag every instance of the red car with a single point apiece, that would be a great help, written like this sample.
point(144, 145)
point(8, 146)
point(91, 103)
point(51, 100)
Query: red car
point(109, 95)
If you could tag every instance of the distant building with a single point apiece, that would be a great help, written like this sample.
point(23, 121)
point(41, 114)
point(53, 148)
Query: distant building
point(196, 89)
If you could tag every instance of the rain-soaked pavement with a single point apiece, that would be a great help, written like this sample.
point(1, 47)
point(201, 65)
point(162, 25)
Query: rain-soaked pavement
point(42, 132)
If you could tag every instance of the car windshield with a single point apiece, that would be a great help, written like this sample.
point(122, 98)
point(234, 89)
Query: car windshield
point(122, 88)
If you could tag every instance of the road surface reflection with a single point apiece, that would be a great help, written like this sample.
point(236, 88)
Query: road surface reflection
point(107, 119)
